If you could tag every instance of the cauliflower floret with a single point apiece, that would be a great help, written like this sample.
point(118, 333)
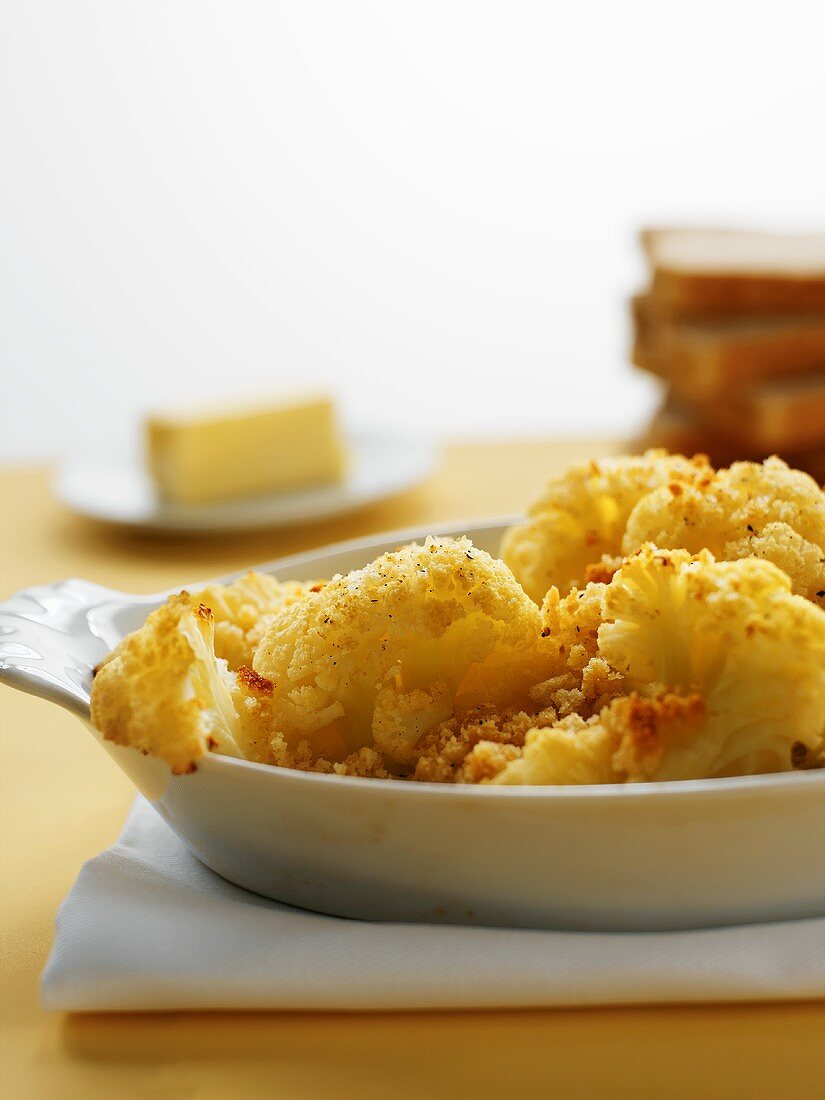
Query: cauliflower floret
point(382, 654)
point(733, 632)
point(764, 510)
point(724, 670)
point(244, 609)
point(627, 742)
point(573, 751)
point(582, 515)
point(163, 691)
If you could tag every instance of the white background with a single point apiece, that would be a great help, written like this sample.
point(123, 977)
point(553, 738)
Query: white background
point(430, 207)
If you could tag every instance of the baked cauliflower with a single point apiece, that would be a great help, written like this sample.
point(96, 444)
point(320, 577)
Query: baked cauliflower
point(594, 515)
point(243, 610)
point(582, 515)
point(381, 655)
point(355, 670)
point(163, 691)
point(665, 621)
point(167, 688)
point(723, 669)
point(762, 510)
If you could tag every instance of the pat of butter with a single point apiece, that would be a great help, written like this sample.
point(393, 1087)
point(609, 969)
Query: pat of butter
point(195, 458)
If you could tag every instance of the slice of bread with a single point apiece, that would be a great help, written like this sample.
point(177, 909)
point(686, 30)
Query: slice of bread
point(675, 427)
point(773, 416)
point(699, 272)
point(784, 416)
point(711, 356)
point(679, 428)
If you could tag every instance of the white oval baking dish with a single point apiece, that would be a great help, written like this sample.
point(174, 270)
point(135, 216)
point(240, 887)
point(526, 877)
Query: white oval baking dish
point(638, 857)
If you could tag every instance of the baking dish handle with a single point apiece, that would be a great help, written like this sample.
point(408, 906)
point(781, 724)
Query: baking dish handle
point(52, 636)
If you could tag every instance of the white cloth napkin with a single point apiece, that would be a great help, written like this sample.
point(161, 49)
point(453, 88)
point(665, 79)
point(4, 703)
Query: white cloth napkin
point(146, 926)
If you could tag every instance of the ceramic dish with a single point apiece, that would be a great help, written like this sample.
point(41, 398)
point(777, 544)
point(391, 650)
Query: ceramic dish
point(644, 856)
point(115, 488)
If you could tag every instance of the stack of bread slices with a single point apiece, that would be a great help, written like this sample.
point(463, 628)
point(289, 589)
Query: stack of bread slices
point(733, 324)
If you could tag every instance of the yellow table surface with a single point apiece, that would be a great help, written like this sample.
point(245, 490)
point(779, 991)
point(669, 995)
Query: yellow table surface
point(63, 801)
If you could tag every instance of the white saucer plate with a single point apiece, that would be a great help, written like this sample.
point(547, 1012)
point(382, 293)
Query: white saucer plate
point(115, 488)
